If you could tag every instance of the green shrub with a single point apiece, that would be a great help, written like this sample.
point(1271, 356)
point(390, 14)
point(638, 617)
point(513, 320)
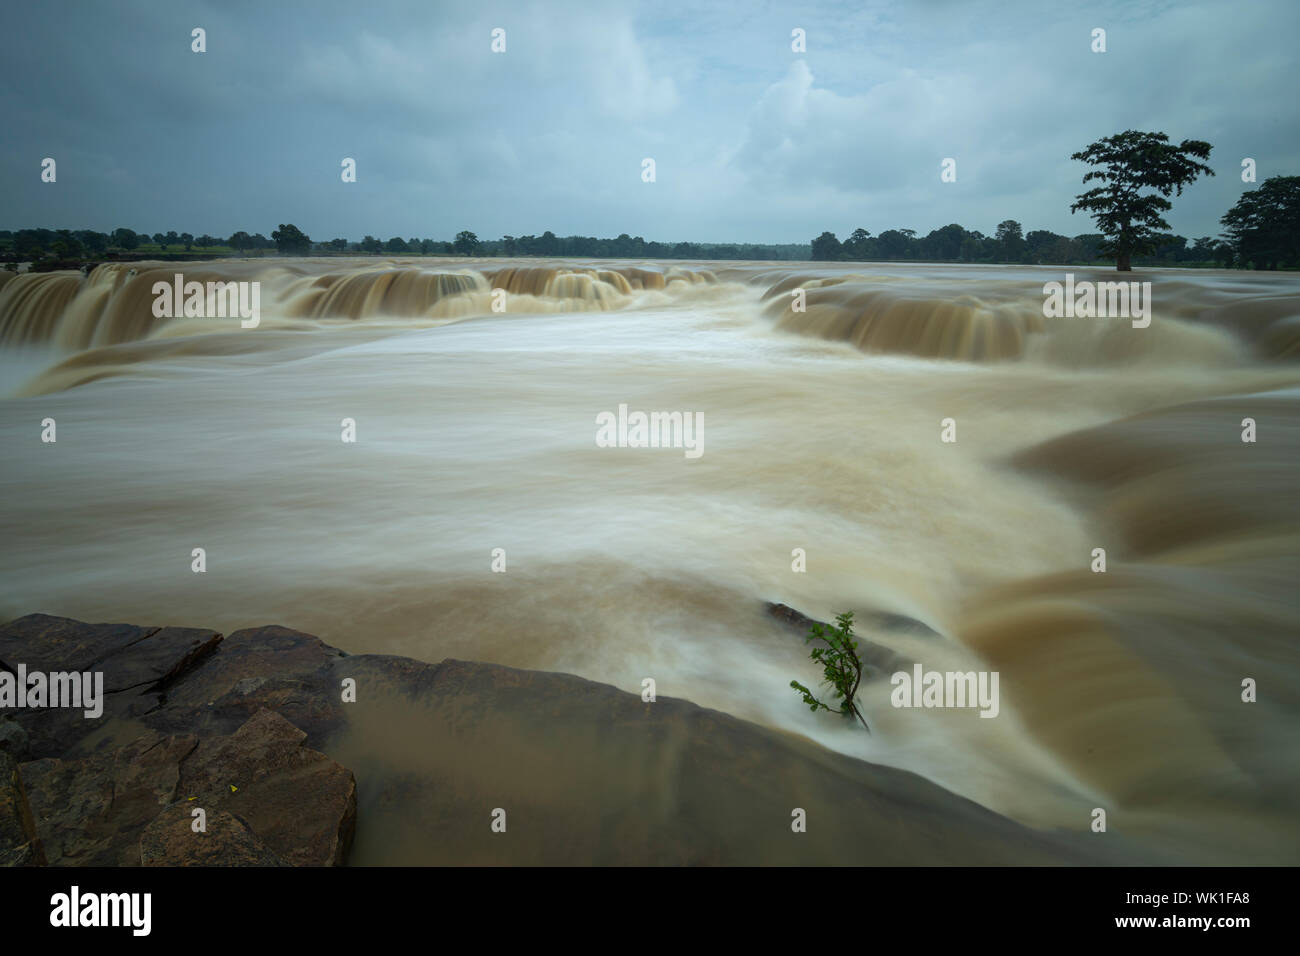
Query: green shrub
point(842, 667)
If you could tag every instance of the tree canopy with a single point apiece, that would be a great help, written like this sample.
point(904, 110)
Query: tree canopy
point(1130, 162)
point(290, 240)
point(1264, 225)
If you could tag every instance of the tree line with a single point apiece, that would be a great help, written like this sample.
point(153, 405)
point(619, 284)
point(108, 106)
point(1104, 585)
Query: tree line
point(1009, 245)
point(65, 244)
point(1136, 171)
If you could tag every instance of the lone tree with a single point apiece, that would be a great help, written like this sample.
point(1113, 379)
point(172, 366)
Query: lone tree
point(841, 665)
point(1264, 225)
point(467, 243)
point(1133, 161)
point(290, 240)
point(1010, 239)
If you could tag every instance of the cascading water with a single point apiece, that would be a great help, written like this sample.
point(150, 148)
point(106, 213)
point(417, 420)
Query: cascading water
point(475, 426)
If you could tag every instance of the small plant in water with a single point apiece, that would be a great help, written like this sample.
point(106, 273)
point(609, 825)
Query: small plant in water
point(843, 668)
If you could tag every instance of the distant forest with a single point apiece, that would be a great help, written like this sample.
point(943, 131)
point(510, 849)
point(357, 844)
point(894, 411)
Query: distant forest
point(951, 243)
point(1262, 231)
point(1010, 245)
point(41, 246)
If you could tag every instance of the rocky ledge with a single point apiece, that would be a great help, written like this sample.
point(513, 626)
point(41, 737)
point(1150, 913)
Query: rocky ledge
point(451, 763)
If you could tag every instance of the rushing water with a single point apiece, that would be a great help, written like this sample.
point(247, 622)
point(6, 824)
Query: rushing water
point(822, 431)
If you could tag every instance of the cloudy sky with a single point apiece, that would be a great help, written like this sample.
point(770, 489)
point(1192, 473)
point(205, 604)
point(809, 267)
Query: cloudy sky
point(751, 141)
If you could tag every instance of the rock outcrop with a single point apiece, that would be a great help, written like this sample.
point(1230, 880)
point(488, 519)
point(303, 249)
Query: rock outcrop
point(455, 763)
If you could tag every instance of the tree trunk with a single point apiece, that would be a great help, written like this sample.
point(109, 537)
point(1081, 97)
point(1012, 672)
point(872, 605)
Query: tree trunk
point(1122, 262)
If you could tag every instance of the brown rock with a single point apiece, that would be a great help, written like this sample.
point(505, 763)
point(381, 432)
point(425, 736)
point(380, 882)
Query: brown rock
point(90, 811)
point(592, 775)
point(226, 841)
point(157, 660)
point(275, 668)
point(69, 801)
point(48, 643)
point(62, 731)
point(20, 844)
point(301, 803)
point(13, 739)
point(137, 663)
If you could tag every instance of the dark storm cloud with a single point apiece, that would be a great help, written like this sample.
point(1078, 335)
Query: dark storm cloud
point(752, 141)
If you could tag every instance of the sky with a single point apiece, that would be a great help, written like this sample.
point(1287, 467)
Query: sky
point(751, 140)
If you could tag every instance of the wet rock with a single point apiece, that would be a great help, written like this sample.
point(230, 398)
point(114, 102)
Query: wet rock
point(227, 840)
point(788, 615)
point(591, 775)
point(92, 811)
point(159, 659)
point(13, 739)
point(57, 731)
point(48, 643)
point(886, 620)
point(301, 803)
point(20, 844)
point(137, 663)
point(89, 811)
point(879, 660)
point(275, 668)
